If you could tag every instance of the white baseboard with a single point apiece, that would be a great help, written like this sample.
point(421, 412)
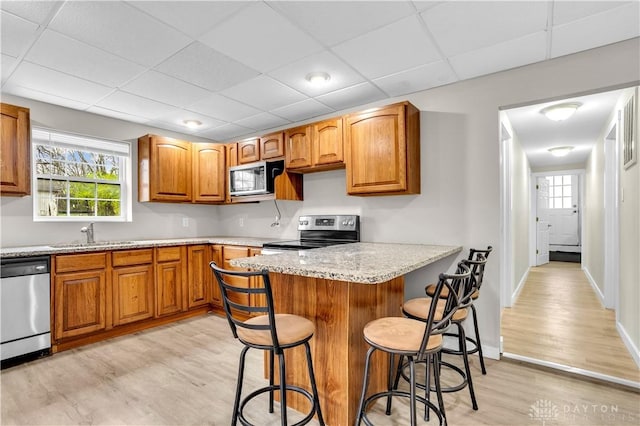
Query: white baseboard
point(516, 293)
point(626, 339)
point(594, 286)
point(491, 352)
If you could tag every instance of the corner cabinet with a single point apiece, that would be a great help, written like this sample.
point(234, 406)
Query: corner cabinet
point(15, 159)
point(164, 169)
point(382, 148)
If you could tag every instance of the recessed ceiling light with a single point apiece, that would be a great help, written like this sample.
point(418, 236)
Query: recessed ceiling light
point(560, 151)
point(318, 78)
point(560, 112)
point(192, 124)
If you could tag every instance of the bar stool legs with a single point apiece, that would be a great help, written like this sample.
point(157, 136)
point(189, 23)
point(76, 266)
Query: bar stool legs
point(477, 341)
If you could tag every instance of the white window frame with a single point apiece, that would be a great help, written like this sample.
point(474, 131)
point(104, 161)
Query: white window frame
point(87, 143)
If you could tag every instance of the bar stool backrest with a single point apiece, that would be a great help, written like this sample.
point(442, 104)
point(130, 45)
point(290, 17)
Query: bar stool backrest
point(476, 267)
point(440, 314)
point(234, 297)
point(473, 255)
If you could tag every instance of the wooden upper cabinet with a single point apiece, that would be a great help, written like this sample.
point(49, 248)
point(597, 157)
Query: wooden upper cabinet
point(208, 172)
point(298, 151)
point(15, 149)
point(272, 146)
point(232, 154)
point(315, 147)
point(248, 151)
point(383, 151)
point(164, 169)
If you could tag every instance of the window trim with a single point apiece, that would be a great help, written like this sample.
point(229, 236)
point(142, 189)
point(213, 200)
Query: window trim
point(126, 183)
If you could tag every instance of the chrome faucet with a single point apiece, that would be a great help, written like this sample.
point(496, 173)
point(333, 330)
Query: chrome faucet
point(89, 231)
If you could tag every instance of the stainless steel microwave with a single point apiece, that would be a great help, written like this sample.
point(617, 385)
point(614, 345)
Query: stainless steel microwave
point(255, 178)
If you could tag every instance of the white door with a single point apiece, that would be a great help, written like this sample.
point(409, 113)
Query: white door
point(564, 211)
point(542, 221)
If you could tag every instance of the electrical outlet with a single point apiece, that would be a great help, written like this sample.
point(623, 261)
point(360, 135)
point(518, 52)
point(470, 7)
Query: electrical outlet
point(241, 221)
point(185, 222)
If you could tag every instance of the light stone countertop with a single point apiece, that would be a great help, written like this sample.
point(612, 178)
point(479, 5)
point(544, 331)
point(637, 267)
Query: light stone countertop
point(77, 247)
point(367, 263)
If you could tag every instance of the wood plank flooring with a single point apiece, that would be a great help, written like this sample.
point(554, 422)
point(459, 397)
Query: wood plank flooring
point(558, 318)
point(184, 374)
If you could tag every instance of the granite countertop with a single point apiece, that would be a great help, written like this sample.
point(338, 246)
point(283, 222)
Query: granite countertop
point(77, 247)
point(367, 263)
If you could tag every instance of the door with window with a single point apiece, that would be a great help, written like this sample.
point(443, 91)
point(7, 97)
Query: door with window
point(542, 221)
point(564, 213)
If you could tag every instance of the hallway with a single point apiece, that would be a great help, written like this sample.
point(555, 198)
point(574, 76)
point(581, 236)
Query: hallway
point(558, 318)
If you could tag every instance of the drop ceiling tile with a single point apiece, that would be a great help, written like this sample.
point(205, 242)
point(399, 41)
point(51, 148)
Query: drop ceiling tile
point(28, 93)
point(607, 27)
point(260, 38)
point(396, 47)
point(359, 94)
point(416, 79)
point(7, 62)
point(191, 17)
point(16, 34)
point(65, 54)
point(262, 121)
point(460, 27)
point(120, 29)
point(41, 79)
point(264, 93)
point(304, 110)
point(226, 133)
point(162, 88)
point(117, 114)
point(135, 105)
point(567, 11)
point(222, 108)
point(502, 56)
point(201, 65)
point(334, 22)
point(425, 4)
point(34, 11)
point(294, 74)
point(175, 120)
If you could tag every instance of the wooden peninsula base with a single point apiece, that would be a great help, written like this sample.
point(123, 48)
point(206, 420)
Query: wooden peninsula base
point(340, 311)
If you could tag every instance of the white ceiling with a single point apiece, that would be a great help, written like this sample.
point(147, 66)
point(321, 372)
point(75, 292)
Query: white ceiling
point(239, 67)
point(536, 133)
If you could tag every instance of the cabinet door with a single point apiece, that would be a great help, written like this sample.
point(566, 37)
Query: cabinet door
point(299, 151)
point(132, 293)
point(272, 146)
point(208, 172)
point(234, 252)
point(199, 275)
point(327, 143)
point(15, 149)
point(257, 299)
point(80, 303)
point(248, 151)
point(376, 151)
point(216, 256)
point(170, 276)
point(170, 169)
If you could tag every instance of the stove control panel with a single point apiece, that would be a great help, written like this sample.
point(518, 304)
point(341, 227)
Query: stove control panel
point(329, 222)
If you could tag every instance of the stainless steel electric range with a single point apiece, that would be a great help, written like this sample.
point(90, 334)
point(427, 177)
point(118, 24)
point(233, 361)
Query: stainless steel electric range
point(319, 231)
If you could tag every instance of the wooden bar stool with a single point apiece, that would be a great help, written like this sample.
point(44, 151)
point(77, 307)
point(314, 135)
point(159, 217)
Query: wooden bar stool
point(477, 344)
point(415, 308)
point(418, 341)
point(270, 332)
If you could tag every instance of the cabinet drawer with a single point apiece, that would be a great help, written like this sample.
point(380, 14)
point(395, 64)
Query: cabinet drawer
point(132, 257)
point(166, 254)
point(81, 262)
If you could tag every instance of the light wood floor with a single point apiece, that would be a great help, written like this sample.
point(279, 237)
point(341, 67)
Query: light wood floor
point(558, 318)
point(184, 374)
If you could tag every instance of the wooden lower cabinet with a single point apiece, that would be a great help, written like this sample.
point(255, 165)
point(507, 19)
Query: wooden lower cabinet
point(170, 280)
point(133, 286)
point(80, 296)
point(216, 256)
point(256, 299)
point(234, 252)
point(199, 275)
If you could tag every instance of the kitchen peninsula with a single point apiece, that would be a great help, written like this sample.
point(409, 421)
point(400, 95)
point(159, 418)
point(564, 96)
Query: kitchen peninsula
point(341, 288)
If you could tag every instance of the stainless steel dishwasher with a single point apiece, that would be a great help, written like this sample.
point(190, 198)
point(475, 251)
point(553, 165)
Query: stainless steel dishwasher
point(25, 307)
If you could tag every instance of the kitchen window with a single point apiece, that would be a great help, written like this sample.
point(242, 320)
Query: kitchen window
point(80, 178)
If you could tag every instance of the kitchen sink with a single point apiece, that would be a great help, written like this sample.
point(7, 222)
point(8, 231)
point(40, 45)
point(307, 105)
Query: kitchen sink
point(94, 244)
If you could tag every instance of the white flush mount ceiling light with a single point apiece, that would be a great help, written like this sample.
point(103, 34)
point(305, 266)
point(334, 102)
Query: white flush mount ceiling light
point(560, 112)
point(318, 78)
point(192, 124)
point(560, 151)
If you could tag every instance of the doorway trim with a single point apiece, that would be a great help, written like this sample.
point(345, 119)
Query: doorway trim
point(612, 215)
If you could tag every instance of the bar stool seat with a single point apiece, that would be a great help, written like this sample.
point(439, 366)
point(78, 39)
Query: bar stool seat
point(400, 334)
point(291, 330)
point(419, 306)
